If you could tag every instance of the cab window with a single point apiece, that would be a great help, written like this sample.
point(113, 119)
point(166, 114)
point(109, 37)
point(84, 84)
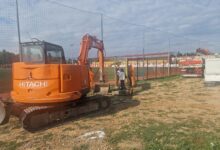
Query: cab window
point(54, 55)
point(32, 54)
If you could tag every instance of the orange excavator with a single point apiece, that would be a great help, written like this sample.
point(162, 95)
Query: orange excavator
point(46, 90)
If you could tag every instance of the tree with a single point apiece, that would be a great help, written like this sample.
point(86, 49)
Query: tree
point(7, 57)
point(179, 54)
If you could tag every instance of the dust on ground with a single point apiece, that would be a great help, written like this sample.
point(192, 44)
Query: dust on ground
point(178, 100)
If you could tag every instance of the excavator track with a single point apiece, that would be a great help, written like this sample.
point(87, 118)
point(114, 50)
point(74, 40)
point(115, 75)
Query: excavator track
point(34, 118)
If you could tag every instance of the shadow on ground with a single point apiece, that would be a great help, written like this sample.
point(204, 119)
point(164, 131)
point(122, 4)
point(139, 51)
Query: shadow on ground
point(118, 103)
point(141, 87)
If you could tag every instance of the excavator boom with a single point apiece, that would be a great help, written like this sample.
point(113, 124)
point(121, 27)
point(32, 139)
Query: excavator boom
point(87, 43)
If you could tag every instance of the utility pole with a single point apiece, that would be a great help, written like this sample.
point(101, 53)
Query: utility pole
point(18, 28)
point(143, 52)
point(169, 59)
point(169, 44)
point(143, 40)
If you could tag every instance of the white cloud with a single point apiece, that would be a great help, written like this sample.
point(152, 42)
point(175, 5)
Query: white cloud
point(48, 21)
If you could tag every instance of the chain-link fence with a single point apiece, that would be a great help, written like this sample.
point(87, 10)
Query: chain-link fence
point(63, 23)
point(148, 66)
point(155, 67)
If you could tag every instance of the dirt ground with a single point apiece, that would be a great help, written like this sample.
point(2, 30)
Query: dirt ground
point(5, 96)
point(174, 113)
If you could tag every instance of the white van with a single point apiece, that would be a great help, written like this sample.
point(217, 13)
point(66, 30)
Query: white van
point(212, 70)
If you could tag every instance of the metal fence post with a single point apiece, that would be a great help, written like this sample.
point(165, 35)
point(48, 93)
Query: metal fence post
point(143, 68)
point(156, 68)
point(176, 67)
point(169, 65)
point(163, 67)
point(137, 69)
point(147, 68)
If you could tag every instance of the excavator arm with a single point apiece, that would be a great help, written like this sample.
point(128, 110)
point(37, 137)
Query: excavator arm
point(86, 44)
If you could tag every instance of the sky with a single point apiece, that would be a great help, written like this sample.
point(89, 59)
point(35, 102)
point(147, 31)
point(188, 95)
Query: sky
point(130, 26)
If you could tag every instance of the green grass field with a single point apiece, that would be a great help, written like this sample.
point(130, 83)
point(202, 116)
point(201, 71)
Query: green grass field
point(5, 80)
point(166, 136)
point(142, 73)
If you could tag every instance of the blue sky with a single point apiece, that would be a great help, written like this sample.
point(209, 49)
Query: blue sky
point(173, 25)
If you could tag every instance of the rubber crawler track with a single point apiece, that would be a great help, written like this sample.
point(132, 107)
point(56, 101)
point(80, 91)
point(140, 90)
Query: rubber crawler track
point(34, 118)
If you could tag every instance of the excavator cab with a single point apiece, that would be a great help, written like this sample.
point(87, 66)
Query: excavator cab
point(42, 52)
point(42, 76)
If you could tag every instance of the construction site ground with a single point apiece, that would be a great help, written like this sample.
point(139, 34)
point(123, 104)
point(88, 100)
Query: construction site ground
point(171, 113)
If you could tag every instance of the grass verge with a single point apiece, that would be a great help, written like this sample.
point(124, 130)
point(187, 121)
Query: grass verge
point(10, 145)
point(183, 135)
